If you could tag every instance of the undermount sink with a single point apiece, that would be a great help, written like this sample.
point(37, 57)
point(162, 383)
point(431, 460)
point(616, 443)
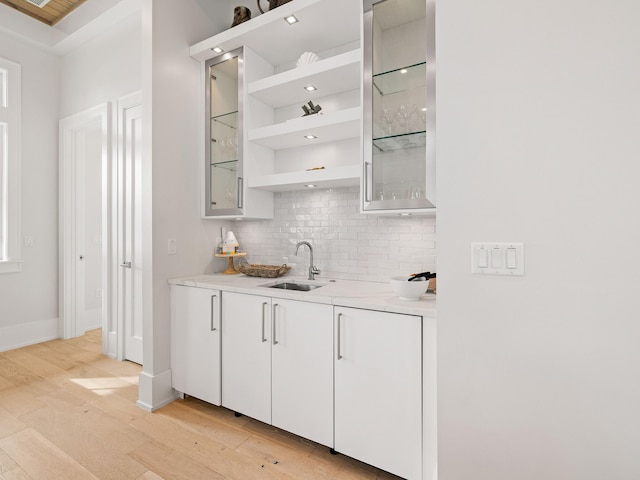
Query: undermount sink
point(300, 287)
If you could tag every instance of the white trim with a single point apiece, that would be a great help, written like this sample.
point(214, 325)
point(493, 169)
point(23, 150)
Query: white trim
point(72, 31)
point(155, 391)
point(71, 133)
point(21, 335)
point(11, 115)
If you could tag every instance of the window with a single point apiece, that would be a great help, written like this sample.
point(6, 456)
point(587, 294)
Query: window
point(10, 123)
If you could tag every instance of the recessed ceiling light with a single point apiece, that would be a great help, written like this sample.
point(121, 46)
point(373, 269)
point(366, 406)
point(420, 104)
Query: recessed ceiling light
point(310, 88)
point(404, 70)
point(404, 214)
point(291, 19)
point(217, 49)
point(424, 109)
point(310, 137)
point(310, 185)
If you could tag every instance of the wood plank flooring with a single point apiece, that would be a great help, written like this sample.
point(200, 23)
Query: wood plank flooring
point(68, 412)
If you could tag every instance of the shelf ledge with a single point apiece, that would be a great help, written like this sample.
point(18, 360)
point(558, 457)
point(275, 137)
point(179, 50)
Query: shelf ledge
point(279, 43)
point(327, 128)
point(332, 75)
point(329, 177)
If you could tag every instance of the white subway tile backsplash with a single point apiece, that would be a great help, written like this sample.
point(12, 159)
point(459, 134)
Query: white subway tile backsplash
point(346, 244)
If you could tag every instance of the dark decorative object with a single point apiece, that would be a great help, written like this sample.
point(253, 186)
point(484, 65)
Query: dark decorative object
point(311, 109)
point(240, 15)
point(273, 4)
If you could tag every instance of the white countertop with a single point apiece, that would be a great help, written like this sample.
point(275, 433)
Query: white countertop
point(344, 293)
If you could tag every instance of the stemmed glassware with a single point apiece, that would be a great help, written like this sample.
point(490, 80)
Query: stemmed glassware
point(388, 119)
point(405, 112)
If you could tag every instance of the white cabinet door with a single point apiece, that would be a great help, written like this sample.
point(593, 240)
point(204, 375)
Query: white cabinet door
point(195, 342)
point(246, 354)
point(378, 389)
point(302, 369)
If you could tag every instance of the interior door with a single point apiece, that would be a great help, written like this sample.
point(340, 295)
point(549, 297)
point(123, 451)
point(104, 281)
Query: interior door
point(88, 225)
point(130, 230)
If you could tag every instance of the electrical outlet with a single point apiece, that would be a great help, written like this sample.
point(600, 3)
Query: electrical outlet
point(28, 241)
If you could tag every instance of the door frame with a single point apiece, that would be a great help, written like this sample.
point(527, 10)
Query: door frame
point(72, 131)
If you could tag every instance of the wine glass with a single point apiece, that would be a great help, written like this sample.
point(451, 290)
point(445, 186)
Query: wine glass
point(405, 112)
point(387, 118)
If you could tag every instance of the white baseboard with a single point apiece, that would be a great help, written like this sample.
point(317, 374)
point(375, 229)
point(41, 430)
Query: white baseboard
point(155, 391)
point(92, 319)
point(21, 335)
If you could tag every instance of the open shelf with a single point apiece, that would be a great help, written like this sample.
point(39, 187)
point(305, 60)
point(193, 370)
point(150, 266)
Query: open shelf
point(330, 177)
point(286, 42)
point(330, 76)
point(327, 128)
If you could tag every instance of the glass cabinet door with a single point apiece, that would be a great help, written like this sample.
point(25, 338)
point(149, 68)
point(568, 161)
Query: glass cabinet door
point(399, 106)
point(223, 168)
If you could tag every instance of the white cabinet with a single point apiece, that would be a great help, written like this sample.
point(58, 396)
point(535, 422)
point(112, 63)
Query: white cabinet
point(282, 149)
point(277, 364)
point(399, 107)
point(302, 369)
point(246, 355)
point(378, 389)
point(195, 342)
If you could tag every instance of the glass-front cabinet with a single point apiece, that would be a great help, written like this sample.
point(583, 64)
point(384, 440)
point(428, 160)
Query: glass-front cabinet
point(398, 106)
point(223, 159)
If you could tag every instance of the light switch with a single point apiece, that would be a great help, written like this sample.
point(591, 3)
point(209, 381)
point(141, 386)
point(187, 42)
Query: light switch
point(512, 258)
point(497, 259)
point(172, 246)
point(483, 258)
point(28, 241)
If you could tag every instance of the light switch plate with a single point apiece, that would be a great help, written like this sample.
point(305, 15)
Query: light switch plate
point(497, 259)
point(172, 246)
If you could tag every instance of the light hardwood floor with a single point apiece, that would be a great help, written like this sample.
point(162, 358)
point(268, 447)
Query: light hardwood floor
point(68, 412)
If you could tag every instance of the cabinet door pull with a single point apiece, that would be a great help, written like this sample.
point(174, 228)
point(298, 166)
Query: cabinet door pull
point(367, 182)
point(339, 339)
point(213, 328)
point(264, 339)
point(273, 324)
point(240, 196)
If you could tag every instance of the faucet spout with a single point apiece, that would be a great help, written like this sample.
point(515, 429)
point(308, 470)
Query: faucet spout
point(313, 270)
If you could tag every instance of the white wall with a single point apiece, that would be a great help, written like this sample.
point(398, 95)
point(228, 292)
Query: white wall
point(100, 70)
point(103, 69)
point(173, 143)
point(538, 142)
point(346, 244)
point(29, 299)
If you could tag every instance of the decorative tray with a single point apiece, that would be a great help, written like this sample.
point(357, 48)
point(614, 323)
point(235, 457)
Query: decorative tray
point(268, 271)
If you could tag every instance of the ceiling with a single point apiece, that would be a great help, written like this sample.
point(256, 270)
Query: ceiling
point(50, 14)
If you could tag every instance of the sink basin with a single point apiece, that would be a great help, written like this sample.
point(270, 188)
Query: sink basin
point(300, 287)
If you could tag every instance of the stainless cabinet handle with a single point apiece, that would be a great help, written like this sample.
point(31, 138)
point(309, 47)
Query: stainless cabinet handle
point(263, 320)
point(240, 192)
point(273, 324)
point(125, 264)
point(213, 328)
point(367, 181)
point(338, 339)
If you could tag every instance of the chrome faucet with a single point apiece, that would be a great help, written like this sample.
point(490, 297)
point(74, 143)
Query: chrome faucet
point(313, 270)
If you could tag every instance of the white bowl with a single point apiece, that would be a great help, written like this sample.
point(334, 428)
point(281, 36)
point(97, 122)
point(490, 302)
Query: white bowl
point(407, 290)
